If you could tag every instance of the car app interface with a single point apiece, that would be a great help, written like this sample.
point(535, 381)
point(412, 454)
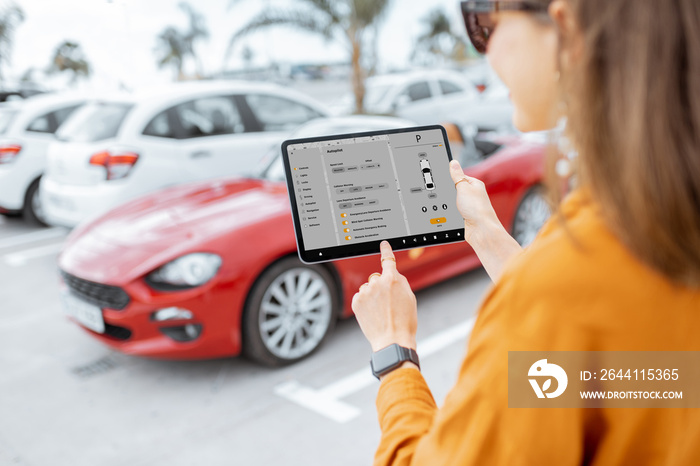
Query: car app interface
point(374, 187)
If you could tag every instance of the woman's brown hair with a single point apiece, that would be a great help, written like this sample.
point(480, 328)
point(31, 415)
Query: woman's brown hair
point(633, 113)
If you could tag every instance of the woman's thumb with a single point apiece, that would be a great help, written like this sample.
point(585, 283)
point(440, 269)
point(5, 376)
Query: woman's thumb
point(456, 171)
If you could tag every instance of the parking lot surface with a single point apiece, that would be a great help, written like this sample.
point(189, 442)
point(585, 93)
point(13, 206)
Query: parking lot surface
point(65, 399)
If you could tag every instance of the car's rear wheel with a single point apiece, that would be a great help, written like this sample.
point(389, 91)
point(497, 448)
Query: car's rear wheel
point(33, 211)
point(290, 312)
point(533, 211)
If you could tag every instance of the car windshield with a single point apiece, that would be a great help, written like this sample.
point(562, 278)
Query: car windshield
point(6, 117)
point(93, 122)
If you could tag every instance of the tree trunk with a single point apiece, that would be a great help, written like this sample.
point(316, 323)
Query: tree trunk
point(358, 76)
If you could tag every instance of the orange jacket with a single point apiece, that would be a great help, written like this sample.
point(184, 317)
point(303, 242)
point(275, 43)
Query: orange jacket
point(558, 294)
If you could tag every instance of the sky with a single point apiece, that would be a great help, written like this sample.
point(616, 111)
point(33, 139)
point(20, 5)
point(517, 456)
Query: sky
point(119, 36)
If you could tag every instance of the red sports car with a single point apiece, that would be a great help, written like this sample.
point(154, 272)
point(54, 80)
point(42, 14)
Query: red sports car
point(211, 269)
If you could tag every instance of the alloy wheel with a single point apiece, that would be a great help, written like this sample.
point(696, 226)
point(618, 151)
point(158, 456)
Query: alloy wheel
point(295, 313)
point(532, 213)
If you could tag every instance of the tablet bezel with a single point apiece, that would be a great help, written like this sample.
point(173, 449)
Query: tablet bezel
point(367, 248)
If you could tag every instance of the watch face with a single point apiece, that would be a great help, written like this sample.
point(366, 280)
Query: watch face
point(385, 358)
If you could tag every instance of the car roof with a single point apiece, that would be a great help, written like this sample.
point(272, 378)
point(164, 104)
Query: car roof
point(148, 102)
point(180, 90)
point(400, 78)
point(360, 120)
point(348, 124)
point(30, 108)
point(41, 101)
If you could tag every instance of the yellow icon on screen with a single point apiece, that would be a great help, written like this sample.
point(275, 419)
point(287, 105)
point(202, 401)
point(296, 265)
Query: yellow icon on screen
point(345, 222)
point(348, 238)
point(343, 215)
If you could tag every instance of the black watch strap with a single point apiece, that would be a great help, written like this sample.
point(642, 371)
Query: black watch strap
point(387, 359)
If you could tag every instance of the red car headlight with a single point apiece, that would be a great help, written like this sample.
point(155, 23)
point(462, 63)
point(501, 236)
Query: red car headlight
point(185, 272)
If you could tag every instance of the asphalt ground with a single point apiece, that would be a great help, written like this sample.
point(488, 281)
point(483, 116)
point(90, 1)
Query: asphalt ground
point(65, 399)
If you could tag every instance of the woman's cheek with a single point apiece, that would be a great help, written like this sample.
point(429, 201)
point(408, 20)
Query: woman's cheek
point(523, 56)
point(506, 44)
point(507, 65)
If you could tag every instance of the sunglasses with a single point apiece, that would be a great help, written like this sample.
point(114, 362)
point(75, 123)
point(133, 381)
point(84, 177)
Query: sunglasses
point(477, 17)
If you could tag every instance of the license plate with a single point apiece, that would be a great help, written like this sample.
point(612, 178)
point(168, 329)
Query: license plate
point(87, 314)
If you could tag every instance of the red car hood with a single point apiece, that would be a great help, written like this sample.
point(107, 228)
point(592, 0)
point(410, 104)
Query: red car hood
point(145, 233)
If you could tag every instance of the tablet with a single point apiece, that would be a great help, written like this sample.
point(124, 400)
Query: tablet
point(351, 191)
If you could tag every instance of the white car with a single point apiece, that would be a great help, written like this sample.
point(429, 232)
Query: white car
point(117, 148)
point(432, 97)
point(27, 127)
point(427, 174)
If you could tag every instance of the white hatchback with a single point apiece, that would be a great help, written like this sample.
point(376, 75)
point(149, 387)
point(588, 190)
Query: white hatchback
point(434, 96)
point(117, 148)
point(27, 127)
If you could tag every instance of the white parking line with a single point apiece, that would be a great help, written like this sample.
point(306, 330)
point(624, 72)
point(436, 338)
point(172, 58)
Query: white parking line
point(32, 237)
point(326, 401)
point(17, 259)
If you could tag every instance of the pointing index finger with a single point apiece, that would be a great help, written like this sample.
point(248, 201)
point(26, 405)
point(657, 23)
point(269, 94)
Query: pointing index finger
point(388, 259)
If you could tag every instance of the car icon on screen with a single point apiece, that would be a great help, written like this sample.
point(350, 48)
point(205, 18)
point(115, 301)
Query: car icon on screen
point(427, 174)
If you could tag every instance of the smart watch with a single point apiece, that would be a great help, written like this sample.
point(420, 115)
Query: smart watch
point(387, 359)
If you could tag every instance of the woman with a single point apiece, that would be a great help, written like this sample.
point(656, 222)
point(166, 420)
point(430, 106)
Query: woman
point(617, 268)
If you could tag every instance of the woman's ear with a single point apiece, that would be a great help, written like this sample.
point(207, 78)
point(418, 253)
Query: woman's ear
point(570, 38)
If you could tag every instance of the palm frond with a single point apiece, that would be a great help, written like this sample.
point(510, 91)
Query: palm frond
point(10, 17)
point(328, 8)
point(367, 12)
point(438, 38)
point(172, 46)
point(438, 24)
point(297, 19)
point(198, 28)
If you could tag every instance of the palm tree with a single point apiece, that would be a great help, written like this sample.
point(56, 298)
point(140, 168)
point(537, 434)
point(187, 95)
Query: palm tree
point(172, 46)
point(10, 17)
point(198, 30)
point(69, 56)
point(439, 40)
point(175, 46)
point(352, 22)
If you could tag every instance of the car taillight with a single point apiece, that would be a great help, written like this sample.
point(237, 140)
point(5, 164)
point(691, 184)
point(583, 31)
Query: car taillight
point(118, 165)
point(9, 152)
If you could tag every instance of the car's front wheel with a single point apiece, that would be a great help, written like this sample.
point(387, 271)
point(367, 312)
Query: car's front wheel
point(289, 313)
point(533, 211)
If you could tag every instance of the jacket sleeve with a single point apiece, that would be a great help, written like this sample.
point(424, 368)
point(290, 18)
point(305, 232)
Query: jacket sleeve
point(406, 410)
point(475, 425)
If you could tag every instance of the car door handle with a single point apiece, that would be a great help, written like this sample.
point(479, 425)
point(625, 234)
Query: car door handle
point(200, 154)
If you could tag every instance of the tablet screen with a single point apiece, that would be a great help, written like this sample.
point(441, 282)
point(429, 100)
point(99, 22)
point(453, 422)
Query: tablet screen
point(355, 191)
